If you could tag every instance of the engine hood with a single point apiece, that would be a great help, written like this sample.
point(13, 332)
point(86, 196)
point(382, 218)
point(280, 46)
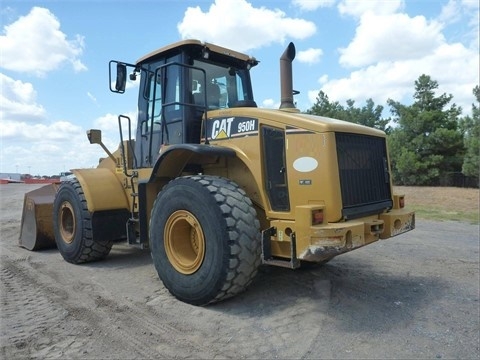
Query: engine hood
point(298, 120)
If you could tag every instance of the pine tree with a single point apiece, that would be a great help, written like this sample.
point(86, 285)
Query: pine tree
point(471, 128)
point(426, 145)
point(368, 115)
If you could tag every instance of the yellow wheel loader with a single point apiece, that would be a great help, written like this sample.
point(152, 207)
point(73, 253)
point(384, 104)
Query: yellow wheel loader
point(213, 185)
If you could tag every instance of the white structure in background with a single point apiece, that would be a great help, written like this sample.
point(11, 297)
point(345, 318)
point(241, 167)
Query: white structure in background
point(14, 177)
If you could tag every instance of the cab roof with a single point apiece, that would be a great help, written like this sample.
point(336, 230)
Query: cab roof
point(198, 44)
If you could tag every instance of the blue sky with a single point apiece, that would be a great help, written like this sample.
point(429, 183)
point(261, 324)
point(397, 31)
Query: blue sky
point(54, 60)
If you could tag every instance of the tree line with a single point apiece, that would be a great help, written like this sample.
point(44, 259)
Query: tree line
point(429, 141)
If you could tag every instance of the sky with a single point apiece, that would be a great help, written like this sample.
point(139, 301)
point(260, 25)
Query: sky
point(54, 60)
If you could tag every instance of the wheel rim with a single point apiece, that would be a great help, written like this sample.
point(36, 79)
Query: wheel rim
point(67, 222)
point(184, 242)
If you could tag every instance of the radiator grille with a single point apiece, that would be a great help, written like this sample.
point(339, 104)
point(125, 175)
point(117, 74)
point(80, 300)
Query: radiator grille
point(364, 176)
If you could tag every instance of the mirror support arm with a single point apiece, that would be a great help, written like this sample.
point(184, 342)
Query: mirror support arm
point(95, 137)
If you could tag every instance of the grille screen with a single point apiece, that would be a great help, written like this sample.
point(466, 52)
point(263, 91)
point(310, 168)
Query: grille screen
point(364, 177)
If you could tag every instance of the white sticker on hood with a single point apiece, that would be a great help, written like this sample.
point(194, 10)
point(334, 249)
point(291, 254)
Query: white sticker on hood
point(305, 164)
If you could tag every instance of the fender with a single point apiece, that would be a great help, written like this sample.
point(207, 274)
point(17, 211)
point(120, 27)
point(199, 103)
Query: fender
point(173, 160)
point(170, 164)
point(102, 189)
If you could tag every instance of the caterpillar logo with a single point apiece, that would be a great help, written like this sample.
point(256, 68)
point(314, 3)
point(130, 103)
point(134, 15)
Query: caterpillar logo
point(225, 128)
point(221, 129)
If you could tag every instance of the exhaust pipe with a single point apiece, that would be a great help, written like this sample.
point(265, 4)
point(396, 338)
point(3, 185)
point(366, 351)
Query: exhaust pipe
point(286, 78)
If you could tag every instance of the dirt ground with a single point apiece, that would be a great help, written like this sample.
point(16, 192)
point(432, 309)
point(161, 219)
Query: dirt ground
point(415, 296)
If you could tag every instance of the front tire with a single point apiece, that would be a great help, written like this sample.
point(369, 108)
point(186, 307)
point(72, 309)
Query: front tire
point(205, 239)
point(72, 224)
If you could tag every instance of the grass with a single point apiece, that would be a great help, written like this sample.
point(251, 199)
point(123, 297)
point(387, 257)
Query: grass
point(442, 203)
point(423, 212)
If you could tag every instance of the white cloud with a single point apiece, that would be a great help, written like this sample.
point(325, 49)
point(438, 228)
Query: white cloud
point(108, 122)
point(389, 61)
point(310, 5)
point(309, 56)
point(237, 22)
point(453, 66)
point(357, 8)
point(91, 97)
point(450, 12)
point(62, 145)
point(18, 101)
point(25, 133)
point(35, 44)
point(323, 79)
point(454, 10)
point(110, 130)
point(466, 12)
point(472, 4)
point(401, 38)
point(270, 104)
point(21, 131)
point(32, 143)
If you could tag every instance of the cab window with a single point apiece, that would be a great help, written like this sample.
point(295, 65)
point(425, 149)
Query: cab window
point(154, 103)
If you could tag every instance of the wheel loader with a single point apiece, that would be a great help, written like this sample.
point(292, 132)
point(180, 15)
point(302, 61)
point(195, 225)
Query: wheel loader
point(214, 186)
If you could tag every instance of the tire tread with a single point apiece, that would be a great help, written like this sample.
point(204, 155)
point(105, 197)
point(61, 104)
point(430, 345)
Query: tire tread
point(239, 213)
point(242, 236)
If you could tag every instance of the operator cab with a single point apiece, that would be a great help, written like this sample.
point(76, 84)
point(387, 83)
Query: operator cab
point(179, 84)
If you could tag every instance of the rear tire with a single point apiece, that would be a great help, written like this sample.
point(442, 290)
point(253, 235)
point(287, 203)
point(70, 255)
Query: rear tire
point(72, 224)
point(204, 238)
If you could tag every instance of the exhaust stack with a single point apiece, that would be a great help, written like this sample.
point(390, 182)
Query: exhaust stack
point(286, 77)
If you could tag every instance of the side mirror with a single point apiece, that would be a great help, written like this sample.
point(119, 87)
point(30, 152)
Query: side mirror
point(121, 77)
point(118, 70)
point(94, 136)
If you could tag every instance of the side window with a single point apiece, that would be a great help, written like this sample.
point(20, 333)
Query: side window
point(154, 103)
point(172, 96)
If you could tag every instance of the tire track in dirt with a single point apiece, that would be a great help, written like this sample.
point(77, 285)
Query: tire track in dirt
point(22, 298)
point(164, 340)
point(268, 321)
point(48, 312)
point(415, 296)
